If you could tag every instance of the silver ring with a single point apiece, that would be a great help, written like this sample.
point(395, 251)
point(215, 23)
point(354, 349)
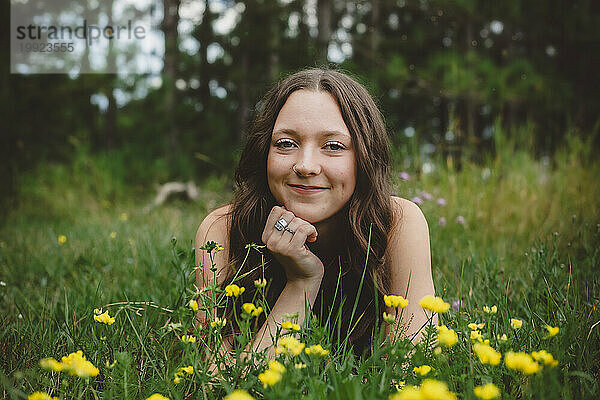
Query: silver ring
point(280, 224)
point(289, 230)
point(294, 168)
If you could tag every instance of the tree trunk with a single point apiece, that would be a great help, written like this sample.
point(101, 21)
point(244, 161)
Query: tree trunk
point(169, 27)
point(324, 10)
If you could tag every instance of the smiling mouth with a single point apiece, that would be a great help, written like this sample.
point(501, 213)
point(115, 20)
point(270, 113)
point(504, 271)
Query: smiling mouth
point(307, 187)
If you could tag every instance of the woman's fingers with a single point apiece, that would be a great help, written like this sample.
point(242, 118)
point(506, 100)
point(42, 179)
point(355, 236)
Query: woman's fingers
point(275, 215)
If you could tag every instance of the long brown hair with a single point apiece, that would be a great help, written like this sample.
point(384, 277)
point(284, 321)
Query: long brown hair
point(368, 212)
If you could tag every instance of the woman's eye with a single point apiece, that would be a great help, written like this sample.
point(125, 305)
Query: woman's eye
point(284, 144)
point(334, 146)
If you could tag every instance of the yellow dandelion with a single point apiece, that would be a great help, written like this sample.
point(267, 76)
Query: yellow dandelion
point(552, 331)
point(76, 364)
point(435, 304)
point(157, 396)
point(521, 362)
point(490, 310)
point(104, 318)
point(446, 337)
point(422, 370)
point(516, 323)
point(316, 350)
point(395, 301)
point(234, 290)
point(188, 339)
point(289, 345)
point(473, 326)
point(487, 354)
point(290, 326)
point(488, 391)
point(545, 357)
point(432, 390)
point(269, 377)
point(62, 239)
point(51, 364)
point(40, 396)
point(408, 392)
point(238, 394)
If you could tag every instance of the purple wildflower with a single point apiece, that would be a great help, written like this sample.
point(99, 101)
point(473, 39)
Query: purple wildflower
point(457, 305)
point(417, 200)
point(442, 221)
point(404, 176)
point(441, 201)
point(460, 219)
point(426, 196)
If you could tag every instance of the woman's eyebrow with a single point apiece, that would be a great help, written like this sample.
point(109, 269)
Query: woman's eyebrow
point(328, 133)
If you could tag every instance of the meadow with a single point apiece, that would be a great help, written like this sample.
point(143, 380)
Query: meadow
point(514, 243)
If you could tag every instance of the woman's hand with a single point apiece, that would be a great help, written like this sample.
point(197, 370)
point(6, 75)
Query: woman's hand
point(288, 245)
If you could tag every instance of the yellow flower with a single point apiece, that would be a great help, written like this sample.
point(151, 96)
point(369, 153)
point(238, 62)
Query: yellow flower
point(552, 331)
point(447, 337)
point(260, 283)
point(299, 365)
point(188, 339)
point(176, 380)
point(408, 392)
point(123, 217)
point(269, 377)
point(104, 318)
point(487, 354)
point(51, 364)
point(289, 345)
point(193, 304)
point(502, 338)
point(487, 392)
point(62, 239)
point(476, 335)
point(545, 357)
point(435, 304)
point(276, 366)
point(316, 349)
point(251, 309)
point(188, 370)
point(473, 326)
point(516, 323)
point(422, 370)
point(435, 390)
point(218, 322)
point(234, 290)
point(157, 396)
point(521, 362)
point(113, 235)
point(395, 301)
point(40, 396)
point(290, 326)
point(488, 310)
point(238, 394)
point(76, 364)
point(388, 318)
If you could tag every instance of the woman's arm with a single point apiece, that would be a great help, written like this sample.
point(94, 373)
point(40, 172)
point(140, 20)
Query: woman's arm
point(410, 259)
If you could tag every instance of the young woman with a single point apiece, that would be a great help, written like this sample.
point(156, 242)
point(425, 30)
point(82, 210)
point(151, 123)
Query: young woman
point(313, 187)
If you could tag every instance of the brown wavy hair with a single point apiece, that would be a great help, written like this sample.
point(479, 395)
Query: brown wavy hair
point(367, 213)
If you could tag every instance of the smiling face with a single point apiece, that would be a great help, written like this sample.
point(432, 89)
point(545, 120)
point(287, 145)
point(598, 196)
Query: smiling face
point(311, 165)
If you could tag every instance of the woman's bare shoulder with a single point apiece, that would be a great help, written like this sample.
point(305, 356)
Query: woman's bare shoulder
point(407, 215)
point(214, 227)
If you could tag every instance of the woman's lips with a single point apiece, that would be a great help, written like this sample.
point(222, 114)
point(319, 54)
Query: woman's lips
point(302, 189)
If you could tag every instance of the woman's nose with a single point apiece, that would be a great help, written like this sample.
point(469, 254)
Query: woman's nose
point(307, 164)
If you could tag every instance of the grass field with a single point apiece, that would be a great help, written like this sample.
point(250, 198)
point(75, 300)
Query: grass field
point(517, 233)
